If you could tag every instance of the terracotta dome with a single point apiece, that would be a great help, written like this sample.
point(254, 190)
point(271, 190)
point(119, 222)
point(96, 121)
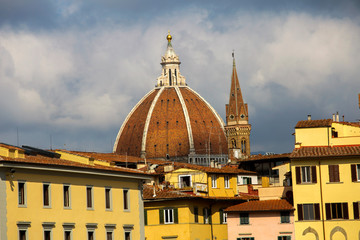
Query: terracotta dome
point(173, 121)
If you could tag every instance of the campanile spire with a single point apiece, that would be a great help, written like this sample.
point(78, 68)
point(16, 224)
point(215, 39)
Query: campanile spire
point(237, 117)
point(170, 75)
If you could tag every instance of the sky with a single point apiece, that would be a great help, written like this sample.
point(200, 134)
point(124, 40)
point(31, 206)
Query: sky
point(71, 71)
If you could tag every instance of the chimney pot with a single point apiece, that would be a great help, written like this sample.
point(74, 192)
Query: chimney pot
point(334, 117)
point(337, 116)
point(309, 117)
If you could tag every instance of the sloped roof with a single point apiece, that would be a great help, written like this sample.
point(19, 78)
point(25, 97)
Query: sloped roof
point(261, 157)
point(172, 194)
point(324, 151)
point(259, 206)
point(10, 146)
point(314, 123)
point(41, 160)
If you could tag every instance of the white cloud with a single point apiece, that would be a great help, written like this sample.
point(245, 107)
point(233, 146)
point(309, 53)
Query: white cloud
point(74, 78)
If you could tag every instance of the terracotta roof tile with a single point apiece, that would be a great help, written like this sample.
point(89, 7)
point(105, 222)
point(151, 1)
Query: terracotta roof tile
point(41, 160)
point(324, 151)
point(259, 206)
point(10, 146)
point(261, 157)
point(172, 194)
point(314, 123)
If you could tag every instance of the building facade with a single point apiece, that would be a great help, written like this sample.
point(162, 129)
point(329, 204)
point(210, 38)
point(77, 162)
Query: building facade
point(52, 198)
point(325, 168)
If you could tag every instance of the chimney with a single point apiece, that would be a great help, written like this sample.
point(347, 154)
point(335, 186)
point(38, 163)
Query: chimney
point(359, 100)
point(309, 117)
point(337, 116)
point(334, 117)
point(343, 117)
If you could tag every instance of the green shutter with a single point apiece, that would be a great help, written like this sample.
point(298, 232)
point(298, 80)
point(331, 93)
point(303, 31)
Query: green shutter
point(176, 218)
point(221, 212)
point(204, 215)
point(210, 216)
point(161, 216)
point(145, 217)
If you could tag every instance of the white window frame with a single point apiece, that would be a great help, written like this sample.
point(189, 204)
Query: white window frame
point(213, 181)
point(49, 194)
point(128, 229)
point(25, 193)
point(110, 199)
point(206, 215)
point(68, 227)
point(125, 234)
point(180, 183)
point(23, 226)
point(224, 217)
point(358, 172)
point(91, 227)
point(69, 189)
point(227, 181)
point(110, 228)
point(306, 174)
point(169, 216)
point(48, 226)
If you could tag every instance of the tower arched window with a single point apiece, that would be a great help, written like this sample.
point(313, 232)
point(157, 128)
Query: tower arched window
point(233, 143)
point(243, 146)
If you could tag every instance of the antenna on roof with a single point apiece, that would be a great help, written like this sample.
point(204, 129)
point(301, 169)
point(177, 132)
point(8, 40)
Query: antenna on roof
point(50, 142)
point(17, 136)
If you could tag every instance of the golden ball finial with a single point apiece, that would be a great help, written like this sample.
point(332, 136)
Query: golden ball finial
point(169, 37)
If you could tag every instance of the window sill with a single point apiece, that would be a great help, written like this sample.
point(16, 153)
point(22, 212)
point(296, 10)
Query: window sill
point(67, 208)
point(22, 206)
point(108, 210)
point(47, 207)
point(306, 183)
point(334, 182)
point(90, 209)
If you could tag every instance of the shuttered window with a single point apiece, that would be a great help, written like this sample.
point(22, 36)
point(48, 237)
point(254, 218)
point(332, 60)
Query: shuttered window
point(308, 211)
point(168, 215)
point(305, 174)
point(355, 172)
point(89, 197)
point(196, 214)
point(285, 217)
point(356, 210)
point(46, 194)
point(334, 175)
point(244, 218)
point(336, 211)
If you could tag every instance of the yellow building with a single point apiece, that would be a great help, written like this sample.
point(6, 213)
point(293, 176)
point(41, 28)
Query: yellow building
point(188, 201)
point(172, 214)
point(46, 197)
point(325, 166)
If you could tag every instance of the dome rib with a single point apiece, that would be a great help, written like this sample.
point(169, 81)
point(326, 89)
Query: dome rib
point(187, 120)
point(128, 117)
point(148, 118)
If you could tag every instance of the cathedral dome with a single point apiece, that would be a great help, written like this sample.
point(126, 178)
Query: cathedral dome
point(172, 121)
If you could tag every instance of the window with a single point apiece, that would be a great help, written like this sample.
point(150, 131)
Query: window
point(22, 193)
point(305, 174)
point(47, 234)
point(184, 181)
point(244, 218)
point(334, 175)
point(168, 215)
point(246, 180)
point(127, 235)
point(89, 197)
point(355, 172)
point(22, 234)
point(46, 194)
point(90, 235)
point(126, 199)
point(356, 210)
point(336, 211)
point(66, 193)
point(245, 238)
point(213, 181)
point(308, 211)
point(67, 235)
point(145, 218)
point(285, 217)
point(223, 216)
point(243, 146)
point(109, 235)
point(207, 215)
point(227, 181)
point(284, 237)
point(108, 198)
point(23, 230)
point(196, 214)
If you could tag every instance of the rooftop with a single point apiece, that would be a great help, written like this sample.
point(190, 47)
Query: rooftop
point(326, 151)
point(259, 206)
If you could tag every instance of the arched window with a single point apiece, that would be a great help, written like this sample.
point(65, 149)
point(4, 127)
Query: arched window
point(233, 143)
point(243, 146)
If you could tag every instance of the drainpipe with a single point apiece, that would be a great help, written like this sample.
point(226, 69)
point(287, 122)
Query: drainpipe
point(321, 202)
point(211, 223)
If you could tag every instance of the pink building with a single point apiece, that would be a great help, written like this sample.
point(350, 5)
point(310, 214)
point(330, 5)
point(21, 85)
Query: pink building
point(261, 220)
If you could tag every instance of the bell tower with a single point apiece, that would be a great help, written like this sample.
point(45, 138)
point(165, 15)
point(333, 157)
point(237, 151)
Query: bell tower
point(237, 120)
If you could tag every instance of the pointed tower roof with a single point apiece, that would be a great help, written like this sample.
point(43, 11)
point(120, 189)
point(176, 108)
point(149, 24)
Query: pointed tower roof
point(236, 109)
